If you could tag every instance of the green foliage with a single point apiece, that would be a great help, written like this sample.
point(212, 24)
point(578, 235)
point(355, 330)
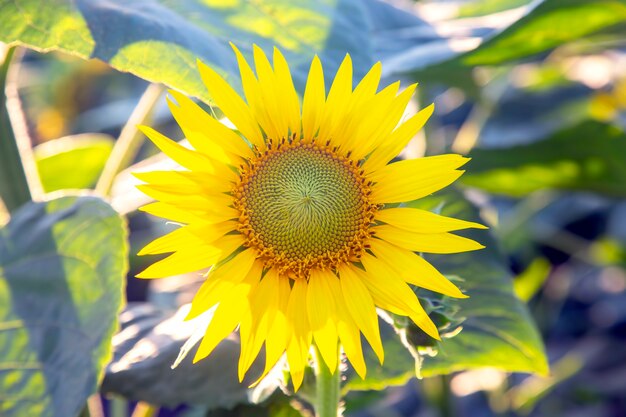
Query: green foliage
point(498, 330)
point(550, 24)
point(62, 268)
point(13, 183)
point(73, 162)
point(586, 157)
point(485, 7)
point(160, 41)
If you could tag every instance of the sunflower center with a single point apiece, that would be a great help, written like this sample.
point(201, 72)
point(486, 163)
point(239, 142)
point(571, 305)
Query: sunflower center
point(304, 206)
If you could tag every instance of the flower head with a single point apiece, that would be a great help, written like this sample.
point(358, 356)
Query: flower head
point(297, 212)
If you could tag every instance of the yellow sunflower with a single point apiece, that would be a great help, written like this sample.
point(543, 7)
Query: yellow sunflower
point(298, 213)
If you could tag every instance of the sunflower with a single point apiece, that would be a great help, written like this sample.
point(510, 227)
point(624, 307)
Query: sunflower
point(299, 214)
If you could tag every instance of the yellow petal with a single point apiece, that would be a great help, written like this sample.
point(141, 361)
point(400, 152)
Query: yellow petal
point(231, 104)
point(322, 314)
point(226, 317)
point(393, 294)
point(351, 342)
point(203, 131)
point(313, 102)
point(268, 85)
point(263, 306)
point(180, 188)
point(361, 307)
point(186, 216)
point(187, 236)
point(186, 260)
point(257, 101)
point(413, 268)
point(365, 116)
point(187, 179)
point(196, 137)
point(415, 178)
point(172, 193)
point(168, 211)
point(369, 84)
point(278, 333)
point(186, 157)
point(426, 242)
point(398, 140)
point(298, 347)
point(287, 92)
point(222, 279)
point(422, 221)
point(199, 201)
point(386, 120)
point(350, 337)
point(337, 109)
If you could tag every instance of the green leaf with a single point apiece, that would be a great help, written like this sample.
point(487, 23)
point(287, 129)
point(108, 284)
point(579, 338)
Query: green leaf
point(550, 24)
point(160, 40)
point(62, 269)
point(83, 156)
point(14, 187)
point(485, 7)
point(546, 25)
point(498, 330)
point(587, 157)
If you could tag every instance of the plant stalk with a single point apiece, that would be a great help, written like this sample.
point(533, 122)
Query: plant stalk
point(14, 189)
point(130, 139)
point(327, 384)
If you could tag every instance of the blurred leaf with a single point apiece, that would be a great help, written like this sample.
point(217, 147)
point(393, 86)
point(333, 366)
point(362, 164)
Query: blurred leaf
point(14, 186)
point(407, 41)
point(468, 43)
point(589, 157)
point(148, 345)
point(485, 7)
point(550, 24)
point(72, 162)
point(62, 268)
point(160, 40)
point(498, 330)
point(530, 281)
point(522, 116)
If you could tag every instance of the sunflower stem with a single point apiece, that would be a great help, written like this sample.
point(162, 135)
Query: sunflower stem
point(130, 139)
point(327, 393)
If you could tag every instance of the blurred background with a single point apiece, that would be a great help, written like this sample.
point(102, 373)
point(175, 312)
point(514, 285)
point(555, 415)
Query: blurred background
point(542, 113)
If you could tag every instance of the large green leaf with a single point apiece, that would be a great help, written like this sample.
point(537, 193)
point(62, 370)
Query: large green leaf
point(498, 330)
point(548, 25)
point(160, 40)
point(589, 156)
point(72, 162)
point(485, 7)
point(62, 268)
point(419, 48)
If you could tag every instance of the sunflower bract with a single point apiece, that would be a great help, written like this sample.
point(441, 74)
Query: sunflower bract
point(292, 214)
